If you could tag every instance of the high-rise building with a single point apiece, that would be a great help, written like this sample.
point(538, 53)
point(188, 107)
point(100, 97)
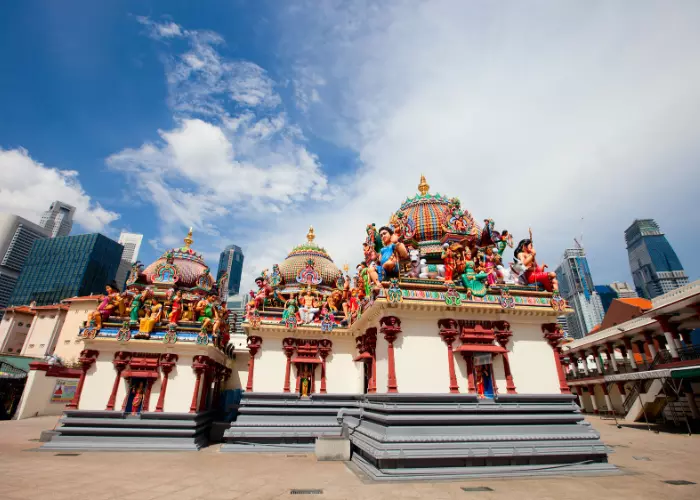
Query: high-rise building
point(67, 266)
point(58, 219)
point(231, 262)
point(576, 286)
point(16, 238)
point(655, 267)
point(132, 244)
point(615, 290)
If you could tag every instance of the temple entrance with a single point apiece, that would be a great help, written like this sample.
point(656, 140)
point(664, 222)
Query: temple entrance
point(305, 372)
point(367, 375)
point(137, 390)
point(483, 375)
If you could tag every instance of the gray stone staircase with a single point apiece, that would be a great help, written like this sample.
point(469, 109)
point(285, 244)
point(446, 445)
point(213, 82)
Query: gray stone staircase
point(85, 430)
point(284, 422)
point(433, 437)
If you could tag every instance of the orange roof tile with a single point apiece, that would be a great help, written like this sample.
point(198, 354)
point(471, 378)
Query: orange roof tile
point(594, 329)
point(20, 309)
point(82, 298)
point(50, 307)
point(638, 302)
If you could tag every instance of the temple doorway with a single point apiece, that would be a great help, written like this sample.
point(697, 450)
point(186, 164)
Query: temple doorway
point(137, 390)
point(367, 375)
point(305, 372)
point(483, 375)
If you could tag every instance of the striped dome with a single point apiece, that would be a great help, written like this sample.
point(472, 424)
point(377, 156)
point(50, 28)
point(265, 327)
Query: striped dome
point(299, 256)
point(190, 265)
point(430, 212)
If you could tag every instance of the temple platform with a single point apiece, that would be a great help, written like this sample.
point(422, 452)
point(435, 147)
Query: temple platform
point(85, 430)
point(398, 437)
point(283, 422)
point(433, 437)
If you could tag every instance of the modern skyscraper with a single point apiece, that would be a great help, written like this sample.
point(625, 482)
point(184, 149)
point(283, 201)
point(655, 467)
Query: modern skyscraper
point(68, 266)
point(615, 290)
point(231, 262)
point(132, 244)
point(16, 238)
point(576, 286)
point(58, 219)
point(655, 267)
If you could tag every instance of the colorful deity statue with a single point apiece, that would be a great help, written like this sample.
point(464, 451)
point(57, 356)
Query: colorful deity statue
point(506, 240)
point(137, 400)
point(149, 321)
point(276, 277)
point(264, 291)
point(205, 311)
point(137, 303)
point(390, 254)
point(334, 301)
point(472, 278)
point(291, 306)
point(106, 307)
point(489, 265)
point(534, 273)
point(220, 316)
point(449, 261)
point(176, 308)
point(308, 307)
point(404, 226)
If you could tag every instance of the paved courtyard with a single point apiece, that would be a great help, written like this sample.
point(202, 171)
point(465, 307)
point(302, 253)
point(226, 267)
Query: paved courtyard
point(646, 458)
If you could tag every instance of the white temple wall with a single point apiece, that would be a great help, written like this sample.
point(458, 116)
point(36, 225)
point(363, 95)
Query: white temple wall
point(420, 357)
point(98, 384)
point(69, 344)
point(270, 363)
point(178, 396)
point(499, 374)
point(531, 360)
point(343, 375)
point(239, 376)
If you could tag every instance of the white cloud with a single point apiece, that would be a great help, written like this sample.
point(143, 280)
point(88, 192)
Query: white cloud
point(533, 116)
point(27, 188)
point(167, 29)
point(232, 152)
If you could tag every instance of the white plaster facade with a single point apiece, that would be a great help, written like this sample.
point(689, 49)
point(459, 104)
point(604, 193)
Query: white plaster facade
point(43, 334)
point(69, 344)
point(14, 328)
point(181, 380)
point(420, 355)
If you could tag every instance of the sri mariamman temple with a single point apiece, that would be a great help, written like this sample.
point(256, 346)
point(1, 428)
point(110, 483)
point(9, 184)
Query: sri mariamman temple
point(438, 357)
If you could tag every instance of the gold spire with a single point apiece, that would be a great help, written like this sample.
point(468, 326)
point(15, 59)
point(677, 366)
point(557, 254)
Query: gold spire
point(310, 235)
point(188, 239)
point(423, 187)
point(346, 268)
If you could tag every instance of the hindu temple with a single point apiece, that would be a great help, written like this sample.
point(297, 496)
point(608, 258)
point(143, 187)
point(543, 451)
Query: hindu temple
point(436, 356)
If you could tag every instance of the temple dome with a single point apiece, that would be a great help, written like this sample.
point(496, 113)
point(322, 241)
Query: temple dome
point(190, 265)
point(429, 212)
point(299, 256)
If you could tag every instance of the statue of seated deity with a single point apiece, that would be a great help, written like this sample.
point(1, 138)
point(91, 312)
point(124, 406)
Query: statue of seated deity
point(106, 307)
point(308, 307)
point(534, 273)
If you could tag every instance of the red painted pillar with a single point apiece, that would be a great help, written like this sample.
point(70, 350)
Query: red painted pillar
point(121, 359)
point(297, 386)
point(288, 345)
point(254, 344)
point(552, 332)
point(469, 358)
point(371, 345)
point(167, 363)
point(502, 337)
point(324, 348)
point(449, 332)
point(206, 377)
point(147, 395)
point(198, 365)
point(391, 328)
point(86, 359)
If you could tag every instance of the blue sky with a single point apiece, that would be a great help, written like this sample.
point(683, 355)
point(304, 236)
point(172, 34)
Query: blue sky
point(252, 120)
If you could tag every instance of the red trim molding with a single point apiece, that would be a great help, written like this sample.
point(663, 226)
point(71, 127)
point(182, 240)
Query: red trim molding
point(55, 371)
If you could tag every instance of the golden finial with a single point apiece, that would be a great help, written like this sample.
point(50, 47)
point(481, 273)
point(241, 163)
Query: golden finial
point(188, 239)
point(310, 235)
point(423, 187)
point(346, 268)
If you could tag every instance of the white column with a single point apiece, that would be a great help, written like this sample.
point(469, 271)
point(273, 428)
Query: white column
point(608, 402)
point(595, 405)
point(585, 364)
point(670, 341)
point(630, 358)
point(611, 357)
point(598, 363)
